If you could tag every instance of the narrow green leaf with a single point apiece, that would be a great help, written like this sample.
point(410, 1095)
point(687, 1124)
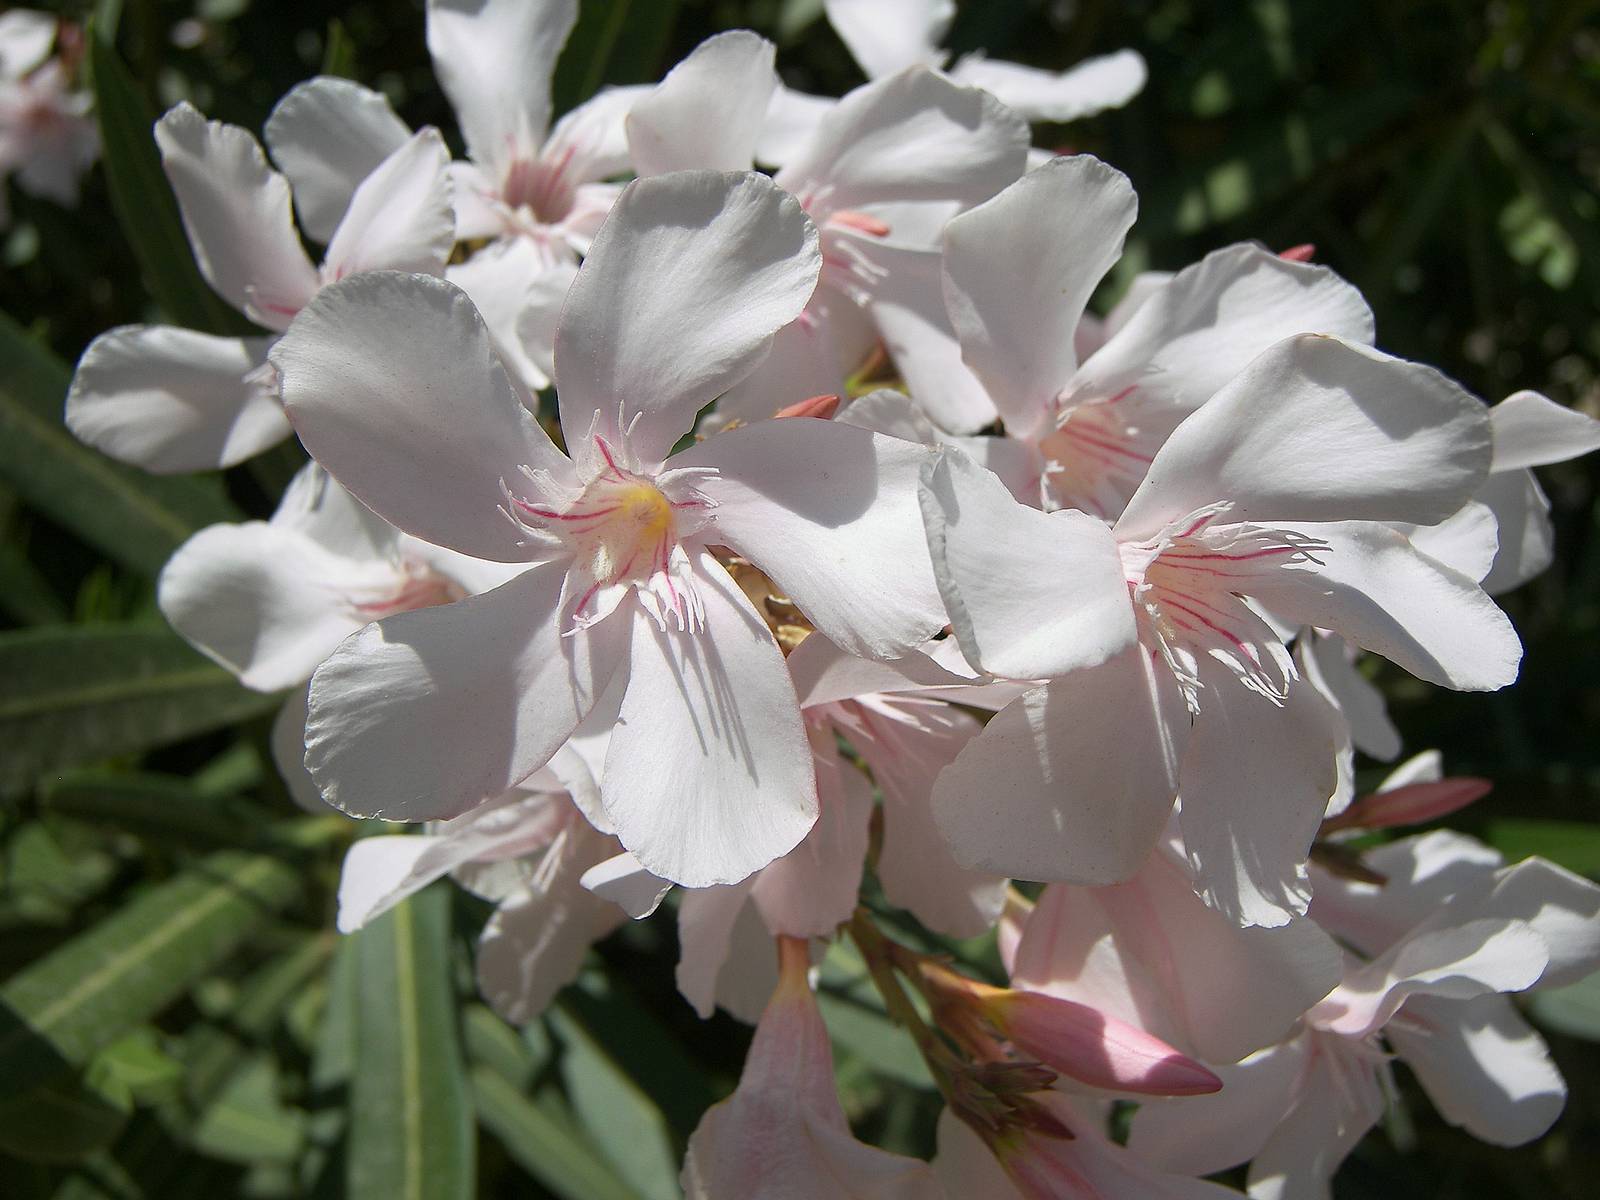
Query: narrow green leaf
point(339, 52)
point(25, 594)
point(411, 1118)
point(61, 1121)
point(248, 1122)
point(84, 995)
point(1574, 845)
point(637, 1141)
point(164, 806)
point(143, 200)
point(615, 42)
point(82, 693)
point(135, 519)
point(551, 1149)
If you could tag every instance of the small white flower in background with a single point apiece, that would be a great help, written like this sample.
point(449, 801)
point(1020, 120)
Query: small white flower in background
point(47, 137)
point(171, 399)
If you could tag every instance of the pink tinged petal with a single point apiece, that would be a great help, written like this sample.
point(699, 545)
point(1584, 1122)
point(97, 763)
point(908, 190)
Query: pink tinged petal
point(890, 412)
point(519, 299)
point(479, 211)
point(886, 36)
point(237, 215)
point(623, 881)
point(684, 287)
point(1317, 429)
point(1205, 324)
point(1019, 271)
point(808, 358)
point(913, 137)
point(535, 943)
point(494, 59)
point(1153, 954)
point(1460, 962)
point(1092, 86)
point(288, 746)
point(829, 512)
point(1562, 908)
point(708, 111)
point(790, 123)
point(266, 603)
point(173, 400)
point(1378, 591)
point(1204, 1135)
point(400, 218)
point(1093, 1048)
point(1255, 782)
point(908, 306)
point(965, 1166)
point(327, 135)
point(392, 385)
point(1073, 781)
point(427, 714)
point(708, 777)
point(1337, 1102)
point(706, 922)
point(812, 890)
point(1031, 595)
point(1482, 1065)
point(1531, 430)
point(782, 1134)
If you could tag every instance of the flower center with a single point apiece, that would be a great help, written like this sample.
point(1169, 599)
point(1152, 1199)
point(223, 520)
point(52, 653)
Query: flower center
point(1094, 457)
point(543, 188)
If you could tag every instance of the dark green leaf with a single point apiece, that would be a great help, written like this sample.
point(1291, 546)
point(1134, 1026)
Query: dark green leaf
point(143, 199)
point(78, 694)
point(248, 1122)
point(134, 518)
point(62, 1121)
point(339, 52)
point(1573, 844)
point(548, 1146)
point(410, 1118)
point(614, 42)
point(164, 806)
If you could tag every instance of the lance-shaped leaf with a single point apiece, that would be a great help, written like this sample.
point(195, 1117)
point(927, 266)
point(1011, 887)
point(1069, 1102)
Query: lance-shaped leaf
point(77, 694)
point(411, 1115)
point(545, 1142)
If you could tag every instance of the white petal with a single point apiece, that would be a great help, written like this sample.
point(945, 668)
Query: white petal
point(623, 881)
point(1094, 85)
point(288, 746)
point(1358, 699)
point(1254, 784)
point(427, 714)
point(327, 135)
point(807, 359)
point(1317, 429)
point(1031, 595)
point(791, 122)
point(1467, 542)
point(1382, 594)
point(1333, 1113)
point(519, 299)
point(316, 506)
point(236, 213)
point(25, 40)
point(706, 919)
point(267, 603)
point(1205, 324)
point(400, 217)
point(595, 134)
point(1482, 1066)
point(494, 59)
point(1531, 430)
point(1074, 781)
point(685, 285)
point(392, 385)
point(709, 775)
point(908, 306)
point(885, 36)
point(173, 400)
point(1019, 271)
point(709, 110)
point(823, 673)
point(914, 136)
point(829, 512)
point(1526, 538)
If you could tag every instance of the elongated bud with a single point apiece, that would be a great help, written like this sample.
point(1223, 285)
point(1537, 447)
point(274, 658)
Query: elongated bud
point(821, 407)
point(1410, 805)
point(1300, 253)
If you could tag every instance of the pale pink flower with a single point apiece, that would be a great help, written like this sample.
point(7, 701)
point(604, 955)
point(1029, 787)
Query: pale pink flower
point(47, 137)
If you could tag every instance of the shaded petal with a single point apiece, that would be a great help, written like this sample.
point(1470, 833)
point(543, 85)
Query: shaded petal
point(823, 673)
point(1319, 429)
point(709, 774)
point(1357, 697)
point(327, 135)
point(709, 110)
point(392, 384)
point(685, 285)
point(288, 746)
point(426, 714)
point(1382, 594)
point(494, 59)
point(26, 37)
point(807, 359)
point(829, 512)
point(519, 299)
point(1333, 1111)
point(400, 218)
point(236, 212)
point(1018, 274)
point(595, 134)
point(1073, 781)
point(1255, 782)
point(706, 920)
point(1092, 86)
point(791, 122)
point(173, 400)
point(1526, 539)
point(1482, 1065)
point(914, 136)
point(623, 881)
point(885, 36)
point(1467, 542)
point(1031, 595)
point(1531, 430)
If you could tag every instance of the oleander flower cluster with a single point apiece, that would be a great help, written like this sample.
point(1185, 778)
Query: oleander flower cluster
point(680, 535)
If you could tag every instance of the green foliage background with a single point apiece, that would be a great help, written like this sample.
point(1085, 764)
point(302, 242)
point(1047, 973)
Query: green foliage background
point(176, 1016)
